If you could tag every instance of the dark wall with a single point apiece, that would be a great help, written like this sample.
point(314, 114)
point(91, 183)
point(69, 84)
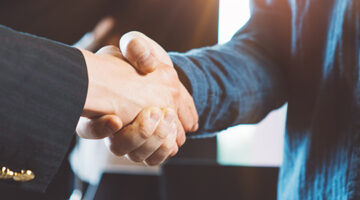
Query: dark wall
point(178, 25)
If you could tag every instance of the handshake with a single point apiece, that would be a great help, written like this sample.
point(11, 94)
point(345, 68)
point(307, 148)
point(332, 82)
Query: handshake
point(136, 101)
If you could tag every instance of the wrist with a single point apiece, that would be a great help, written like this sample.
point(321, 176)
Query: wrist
point(96, 103)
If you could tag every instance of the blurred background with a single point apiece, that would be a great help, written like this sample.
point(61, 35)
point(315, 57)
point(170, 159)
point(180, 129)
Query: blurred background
point(240, 163)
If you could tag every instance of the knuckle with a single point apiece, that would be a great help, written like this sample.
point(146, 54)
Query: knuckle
point(176, 94)
point(162, 134)
point(144, 131)
point(166, 147)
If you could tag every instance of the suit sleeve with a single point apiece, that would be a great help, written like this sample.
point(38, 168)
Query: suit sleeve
point(43, 87)
point(241, 81)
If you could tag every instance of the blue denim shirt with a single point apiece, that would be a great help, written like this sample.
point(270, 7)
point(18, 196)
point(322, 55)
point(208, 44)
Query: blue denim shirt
point(306, 53)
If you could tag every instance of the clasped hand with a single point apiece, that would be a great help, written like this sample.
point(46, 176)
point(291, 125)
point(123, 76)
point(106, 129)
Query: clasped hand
point(136, 101)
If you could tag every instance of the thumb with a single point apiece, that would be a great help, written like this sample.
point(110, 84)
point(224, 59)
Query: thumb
point(98, 128)
point(136, 50)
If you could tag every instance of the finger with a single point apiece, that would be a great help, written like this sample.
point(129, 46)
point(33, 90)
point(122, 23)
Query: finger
point(164, 130)
point(180, 136)
point(98, 128)
point(163, 152)
point(188, 114)
point(174, 152)
point(137, 46)
point(155, 48)
point(138, 53)
point(134, 135)
point(110, 50)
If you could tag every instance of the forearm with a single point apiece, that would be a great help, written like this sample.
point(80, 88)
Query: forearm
point(230, 90)
point(241, 81)
point(98, 100)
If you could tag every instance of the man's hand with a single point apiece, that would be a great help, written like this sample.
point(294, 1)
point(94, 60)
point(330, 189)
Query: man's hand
point(117, 93)
point(142, 52)
point(147, 56)
point(115, 87)
point(150, 138)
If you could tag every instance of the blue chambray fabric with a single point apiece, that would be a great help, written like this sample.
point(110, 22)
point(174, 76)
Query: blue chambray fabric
point(306, 53)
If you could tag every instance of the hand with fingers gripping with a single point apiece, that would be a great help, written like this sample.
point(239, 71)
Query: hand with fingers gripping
point(146, 111)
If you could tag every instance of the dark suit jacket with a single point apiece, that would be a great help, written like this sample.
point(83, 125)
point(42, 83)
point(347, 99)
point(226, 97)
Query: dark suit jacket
point(43, 86)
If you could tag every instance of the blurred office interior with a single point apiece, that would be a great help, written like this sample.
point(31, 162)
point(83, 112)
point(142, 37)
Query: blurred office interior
point(240, 163)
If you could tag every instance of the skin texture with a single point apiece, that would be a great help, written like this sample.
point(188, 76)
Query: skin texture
point(142, 115)
point(146, 56)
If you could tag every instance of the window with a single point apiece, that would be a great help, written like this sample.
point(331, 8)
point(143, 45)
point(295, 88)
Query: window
point(250, 145)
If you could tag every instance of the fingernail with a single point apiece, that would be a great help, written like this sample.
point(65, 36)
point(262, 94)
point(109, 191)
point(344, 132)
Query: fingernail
point(169, 117)
point(146, 62)
point(155, 115)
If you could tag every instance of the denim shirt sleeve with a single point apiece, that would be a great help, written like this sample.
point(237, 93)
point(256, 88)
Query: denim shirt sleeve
point(241, 81)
